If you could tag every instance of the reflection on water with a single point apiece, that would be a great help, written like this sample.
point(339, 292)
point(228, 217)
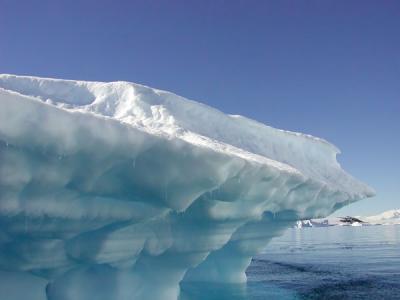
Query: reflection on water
point(319, 263)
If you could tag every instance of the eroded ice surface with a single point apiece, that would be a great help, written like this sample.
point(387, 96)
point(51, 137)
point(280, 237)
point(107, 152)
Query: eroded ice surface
point(120, 191)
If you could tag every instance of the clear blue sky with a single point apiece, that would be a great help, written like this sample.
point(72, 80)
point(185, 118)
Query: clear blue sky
point(327, 68)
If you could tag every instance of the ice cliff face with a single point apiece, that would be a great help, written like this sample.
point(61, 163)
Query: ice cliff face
point(120, 191)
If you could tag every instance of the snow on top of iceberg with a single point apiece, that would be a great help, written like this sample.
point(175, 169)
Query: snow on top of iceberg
point(164, 113)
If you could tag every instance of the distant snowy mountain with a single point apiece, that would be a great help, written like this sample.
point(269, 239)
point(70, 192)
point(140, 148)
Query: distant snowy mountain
point(389, 217)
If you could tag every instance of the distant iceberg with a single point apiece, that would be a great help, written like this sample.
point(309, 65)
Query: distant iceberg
point(120, 191)
point(313, 223)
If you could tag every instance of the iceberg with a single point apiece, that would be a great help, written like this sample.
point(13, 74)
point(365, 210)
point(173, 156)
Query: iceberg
point(121, 191)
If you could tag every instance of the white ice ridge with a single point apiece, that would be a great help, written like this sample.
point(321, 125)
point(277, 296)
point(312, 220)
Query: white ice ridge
point(120, 191)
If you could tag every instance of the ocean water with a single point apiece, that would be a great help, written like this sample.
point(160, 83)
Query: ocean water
point(340, 262)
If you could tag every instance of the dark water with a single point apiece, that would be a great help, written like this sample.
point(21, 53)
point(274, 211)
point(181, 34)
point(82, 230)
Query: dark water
point(319, 263)
point(329, 263)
